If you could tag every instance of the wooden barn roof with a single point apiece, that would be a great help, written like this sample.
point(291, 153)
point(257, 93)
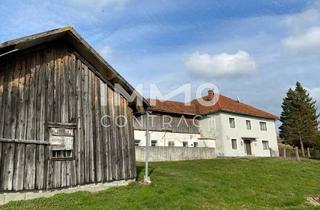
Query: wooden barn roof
point(224, 104)
point(70, 35)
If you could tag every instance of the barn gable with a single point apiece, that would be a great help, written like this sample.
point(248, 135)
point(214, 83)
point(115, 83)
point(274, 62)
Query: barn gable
point(54, 94)
point(70, 36)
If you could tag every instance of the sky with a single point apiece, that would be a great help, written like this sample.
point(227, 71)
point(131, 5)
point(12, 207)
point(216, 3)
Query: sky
point(251, 50)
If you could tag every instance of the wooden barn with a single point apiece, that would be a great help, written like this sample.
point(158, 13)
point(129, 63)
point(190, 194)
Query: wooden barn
point(54, 92)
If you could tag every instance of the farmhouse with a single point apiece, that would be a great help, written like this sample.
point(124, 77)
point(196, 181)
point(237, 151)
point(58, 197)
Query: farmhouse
point(171, 123)
point(54, 91)
point(231, 127)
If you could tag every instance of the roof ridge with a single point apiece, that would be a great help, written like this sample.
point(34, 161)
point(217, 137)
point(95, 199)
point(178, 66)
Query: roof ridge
point(168, 101)
point(224, 103)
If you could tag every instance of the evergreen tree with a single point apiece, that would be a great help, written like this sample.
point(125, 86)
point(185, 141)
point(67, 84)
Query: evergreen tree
point(299, 118)
point(287, 109)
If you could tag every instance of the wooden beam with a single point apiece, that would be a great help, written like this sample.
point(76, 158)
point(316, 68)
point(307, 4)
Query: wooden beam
point(19, 141)
point(61, 125)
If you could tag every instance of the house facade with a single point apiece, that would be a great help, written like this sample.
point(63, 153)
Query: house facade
point(239, 135)
point(233, 128)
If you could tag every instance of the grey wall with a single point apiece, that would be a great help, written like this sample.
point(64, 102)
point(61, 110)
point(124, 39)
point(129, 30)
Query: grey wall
point(175, 153)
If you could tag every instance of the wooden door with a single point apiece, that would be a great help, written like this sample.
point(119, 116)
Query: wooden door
point(247, 144)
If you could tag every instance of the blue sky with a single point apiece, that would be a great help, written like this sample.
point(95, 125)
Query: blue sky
point(254, 50)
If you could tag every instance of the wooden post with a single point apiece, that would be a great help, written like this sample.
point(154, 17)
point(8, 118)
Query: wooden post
point(297, 154)
point(285, 152)
point(308, 152)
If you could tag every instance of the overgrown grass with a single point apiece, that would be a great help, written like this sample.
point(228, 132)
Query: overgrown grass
point(203, 184)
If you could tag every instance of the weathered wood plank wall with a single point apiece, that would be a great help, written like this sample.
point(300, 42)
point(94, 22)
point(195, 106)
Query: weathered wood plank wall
point(54, 84)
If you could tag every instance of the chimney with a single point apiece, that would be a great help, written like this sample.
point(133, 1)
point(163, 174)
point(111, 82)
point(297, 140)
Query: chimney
point(210, 94)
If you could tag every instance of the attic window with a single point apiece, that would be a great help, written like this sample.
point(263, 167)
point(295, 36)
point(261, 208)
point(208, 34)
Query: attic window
point(61, 142)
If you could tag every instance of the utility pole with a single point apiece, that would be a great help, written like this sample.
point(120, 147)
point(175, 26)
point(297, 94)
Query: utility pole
point(147, 179)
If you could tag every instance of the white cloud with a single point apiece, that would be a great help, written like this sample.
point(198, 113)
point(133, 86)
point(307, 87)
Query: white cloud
point(221, 65)
point(309, 40)
point(309, 17)
point(304, 29)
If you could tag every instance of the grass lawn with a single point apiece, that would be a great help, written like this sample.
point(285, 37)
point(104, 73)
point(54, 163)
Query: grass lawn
point(202, 184)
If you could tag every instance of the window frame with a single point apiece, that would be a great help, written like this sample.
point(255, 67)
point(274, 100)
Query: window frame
point(248, 125)
point(185, 142)
point(135, 142)
point(232, 122)
point(263, 128)
point(59, 127)
point(265, 142)
point(234, 144)
point(155, 143)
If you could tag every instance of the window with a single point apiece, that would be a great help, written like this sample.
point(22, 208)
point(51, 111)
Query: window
point(248, 122)
point(61, 143)
point(265, 145)
point(234, 143)
point(263, 126)
point(195, 144)
point(137, 142)
point(232, 123)
point(154, 143)
point(185, 144)
point(61, 154)
point(171, 143)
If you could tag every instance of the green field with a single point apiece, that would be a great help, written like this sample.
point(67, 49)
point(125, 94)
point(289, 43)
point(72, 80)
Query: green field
point(203, 184)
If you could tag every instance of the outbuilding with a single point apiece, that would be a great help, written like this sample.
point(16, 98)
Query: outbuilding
point(59, 115)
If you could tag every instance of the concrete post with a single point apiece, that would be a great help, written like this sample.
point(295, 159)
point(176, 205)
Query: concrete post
point(297, 154)
point(146, 176)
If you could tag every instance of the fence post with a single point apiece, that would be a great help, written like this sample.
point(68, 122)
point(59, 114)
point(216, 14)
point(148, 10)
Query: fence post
point(297, 154)
point(284, 152)
point(308, 152)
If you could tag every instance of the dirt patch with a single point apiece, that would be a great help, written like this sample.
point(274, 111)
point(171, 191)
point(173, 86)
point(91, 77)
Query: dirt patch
point(314, 200)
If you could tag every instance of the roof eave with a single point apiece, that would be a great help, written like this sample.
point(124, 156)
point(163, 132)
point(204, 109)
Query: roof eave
point(106, 71)
point(241, 113)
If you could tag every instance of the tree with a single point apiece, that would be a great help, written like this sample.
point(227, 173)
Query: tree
point(299, 118)
point(287, 109)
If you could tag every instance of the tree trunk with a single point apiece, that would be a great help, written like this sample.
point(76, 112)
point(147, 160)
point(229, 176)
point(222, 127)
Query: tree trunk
point(302, 147)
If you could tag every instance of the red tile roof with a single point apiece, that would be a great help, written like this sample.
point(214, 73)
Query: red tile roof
point(172, 107)
point(224, 104)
